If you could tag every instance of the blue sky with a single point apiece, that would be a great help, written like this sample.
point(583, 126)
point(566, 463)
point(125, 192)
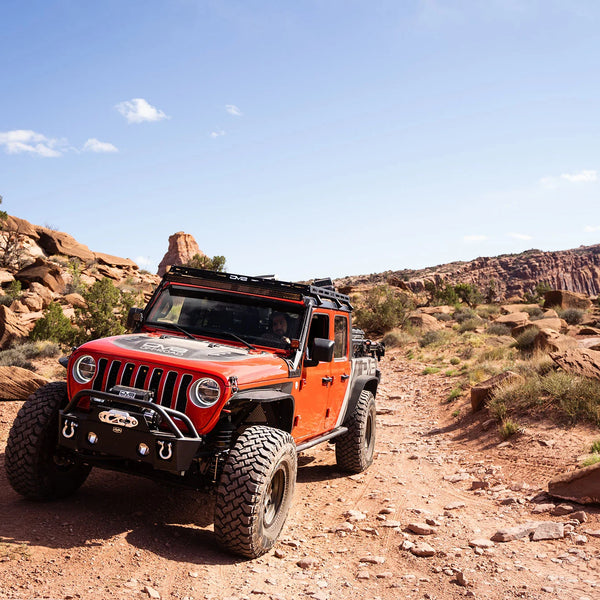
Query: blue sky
point(305, 139)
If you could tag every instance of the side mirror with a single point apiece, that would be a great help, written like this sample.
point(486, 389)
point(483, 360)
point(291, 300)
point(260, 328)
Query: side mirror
point(322, 350)
point(135, 318)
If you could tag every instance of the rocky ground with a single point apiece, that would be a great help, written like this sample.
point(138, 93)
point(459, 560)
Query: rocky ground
point(418, 524)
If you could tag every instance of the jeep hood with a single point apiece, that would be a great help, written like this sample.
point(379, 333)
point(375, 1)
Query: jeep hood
point(191, 355)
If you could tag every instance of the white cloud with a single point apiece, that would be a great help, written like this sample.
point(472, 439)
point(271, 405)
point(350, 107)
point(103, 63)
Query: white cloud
point(94, 145)
point(216, 134)
point(18, 141)
point(475, 238)
point(232, 109)
point(520, 236)
point(581, 177)
point(591, 228)
point(137, 110)
point(143, 261)
point(585, 176)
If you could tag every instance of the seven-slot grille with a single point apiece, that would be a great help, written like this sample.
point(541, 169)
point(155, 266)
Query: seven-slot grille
point(170, 387)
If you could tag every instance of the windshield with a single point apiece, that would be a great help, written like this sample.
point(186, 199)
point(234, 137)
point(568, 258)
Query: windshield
point(265, 322)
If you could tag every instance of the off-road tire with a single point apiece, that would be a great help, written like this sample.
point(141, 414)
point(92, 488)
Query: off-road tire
point(32, 467)
point(255, 491)
point(355, 449)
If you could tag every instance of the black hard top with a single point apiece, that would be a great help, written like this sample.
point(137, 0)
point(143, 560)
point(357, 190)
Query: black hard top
point(275, 288)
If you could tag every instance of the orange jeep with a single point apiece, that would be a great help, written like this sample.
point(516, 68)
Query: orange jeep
point(224, 379)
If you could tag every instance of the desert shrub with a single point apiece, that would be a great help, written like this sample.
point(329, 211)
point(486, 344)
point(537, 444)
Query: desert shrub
point(463, 314)
point(496, 354)
point(577, 397)
point(537, 294)
point(573, 316)
point(442, 317)
point(74, 268)
point(383, 309)
point(534, 312)
point(216, 263)
point(21, 355)
point(595, 448)
point(488, 310)
point(470, 324)
point(469, 294)
point(54, 326)
point(591, 460)
point(106, 310)
point(15, 357)
point(430, 370)
point(397, 337)
point(454, 360)
point(13, 292)
point(508, 428)
point(430, 337)
point(525, 340)
point(498, 329)
point(454, 394)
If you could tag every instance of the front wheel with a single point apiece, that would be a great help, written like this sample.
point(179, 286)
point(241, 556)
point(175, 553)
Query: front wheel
point(255, 491)
point(355, 449)
point(33, 467)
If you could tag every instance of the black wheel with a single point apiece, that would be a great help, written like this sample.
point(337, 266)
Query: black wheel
point(255, 491)
point(354, 450)
point(32, 465)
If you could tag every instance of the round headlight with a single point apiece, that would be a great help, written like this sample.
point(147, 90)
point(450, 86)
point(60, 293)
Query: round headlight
point(84, 369)
point(205, 392)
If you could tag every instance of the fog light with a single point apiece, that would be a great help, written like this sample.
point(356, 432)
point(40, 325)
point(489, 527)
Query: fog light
point(92, 438)
point(143, 450)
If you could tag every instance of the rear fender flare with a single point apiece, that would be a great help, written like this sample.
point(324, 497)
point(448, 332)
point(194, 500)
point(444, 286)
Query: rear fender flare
point(363, 382)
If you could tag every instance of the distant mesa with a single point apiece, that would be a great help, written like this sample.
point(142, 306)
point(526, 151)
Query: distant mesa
point(182, 248)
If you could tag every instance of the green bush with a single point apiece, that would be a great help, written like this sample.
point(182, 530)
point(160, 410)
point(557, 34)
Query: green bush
point(463, 314)
point(383, 309)
point(595, 448)
point(397, 337)
point(508, 428)
point(216, 263)
point(534, 312)
point(488, 310)
point(498, 329)
point(573, 316)
point(442, 317)
point(106, 310)
point(54, 326)
point(21, 355)
point(430, 371)
point(13, 292)
point(454, 360)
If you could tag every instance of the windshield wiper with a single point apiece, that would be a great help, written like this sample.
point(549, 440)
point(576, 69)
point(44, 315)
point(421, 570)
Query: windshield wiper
point(228, 334)
point(179, 328)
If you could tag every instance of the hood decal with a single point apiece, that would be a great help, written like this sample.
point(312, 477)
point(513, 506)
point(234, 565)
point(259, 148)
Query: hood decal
point(181, 348)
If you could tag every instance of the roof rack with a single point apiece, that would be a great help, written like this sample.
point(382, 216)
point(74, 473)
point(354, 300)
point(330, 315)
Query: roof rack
point(264, 285)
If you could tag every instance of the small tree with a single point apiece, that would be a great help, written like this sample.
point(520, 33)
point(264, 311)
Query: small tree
point(54, 326)
point(106, 310)
point(469, 294)
point(382, 310)
point(11, 244)
point(216, 263)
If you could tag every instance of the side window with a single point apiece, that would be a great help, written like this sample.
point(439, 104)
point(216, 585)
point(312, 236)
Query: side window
point(340, 349)
point(319, 328)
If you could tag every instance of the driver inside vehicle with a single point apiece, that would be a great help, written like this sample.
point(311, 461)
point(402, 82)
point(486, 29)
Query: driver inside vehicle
point(279, 328)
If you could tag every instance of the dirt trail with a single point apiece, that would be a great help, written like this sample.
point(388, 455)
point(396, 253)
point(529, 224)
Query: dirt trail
point(347, 537)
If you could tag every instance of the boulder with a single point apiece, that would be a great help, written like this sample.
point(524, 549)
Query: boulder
point(550, 314)
point(581, 485)
point(555, 324)
point(436, 310)
point(579, 361)
point(21, 226)
point(508, 309)
point(548, 340)
point(114, 261)
point(32, 301)
point(589, 343)
point(519, 329)
point(5, 277)
point(18, 307)
point(41, 292)
point(18, 384)
point(43, 272)
point(11, 327)
point(589, 331)
point(182, 248)
point(513, 319)
point(566, 299)
point(424, 322)
point(482, 392)
point(57, 242)
point(75, 300)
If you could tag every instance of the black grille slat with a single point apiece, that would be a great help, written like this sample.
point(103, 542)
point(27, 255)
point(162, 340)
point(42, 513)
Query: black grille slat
point(112, 375)
point(155, 382)
point(97, 385)
point(167, 395)
point(127, 373)
point(182, 394)
point(140, 378)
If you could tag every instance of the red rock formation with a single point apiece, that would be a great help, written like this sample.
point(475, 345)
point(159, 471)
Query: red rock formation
point(509, 275)
point(57, 242)
point(182, 248)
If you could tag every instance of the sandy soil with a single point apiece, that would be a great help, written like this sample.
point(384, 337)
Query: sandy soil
point(446, 476)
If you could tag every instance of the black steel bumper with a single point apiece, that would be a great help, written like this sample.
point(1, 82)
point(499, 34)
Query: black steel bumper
point(115, 427)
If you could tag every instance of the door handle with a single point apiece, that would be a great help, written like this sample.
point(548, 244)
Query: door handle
point(327, 380)
point(345, 377)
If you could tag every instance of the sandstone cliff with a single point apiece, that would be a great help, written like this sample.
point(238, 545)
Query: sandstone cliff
point(576, 270)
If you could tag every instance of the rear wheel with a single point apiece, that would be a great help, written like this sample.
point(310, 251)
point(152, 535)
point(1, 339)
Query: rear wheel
point(33, 467)
point(255, 491)
point(355, 449)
